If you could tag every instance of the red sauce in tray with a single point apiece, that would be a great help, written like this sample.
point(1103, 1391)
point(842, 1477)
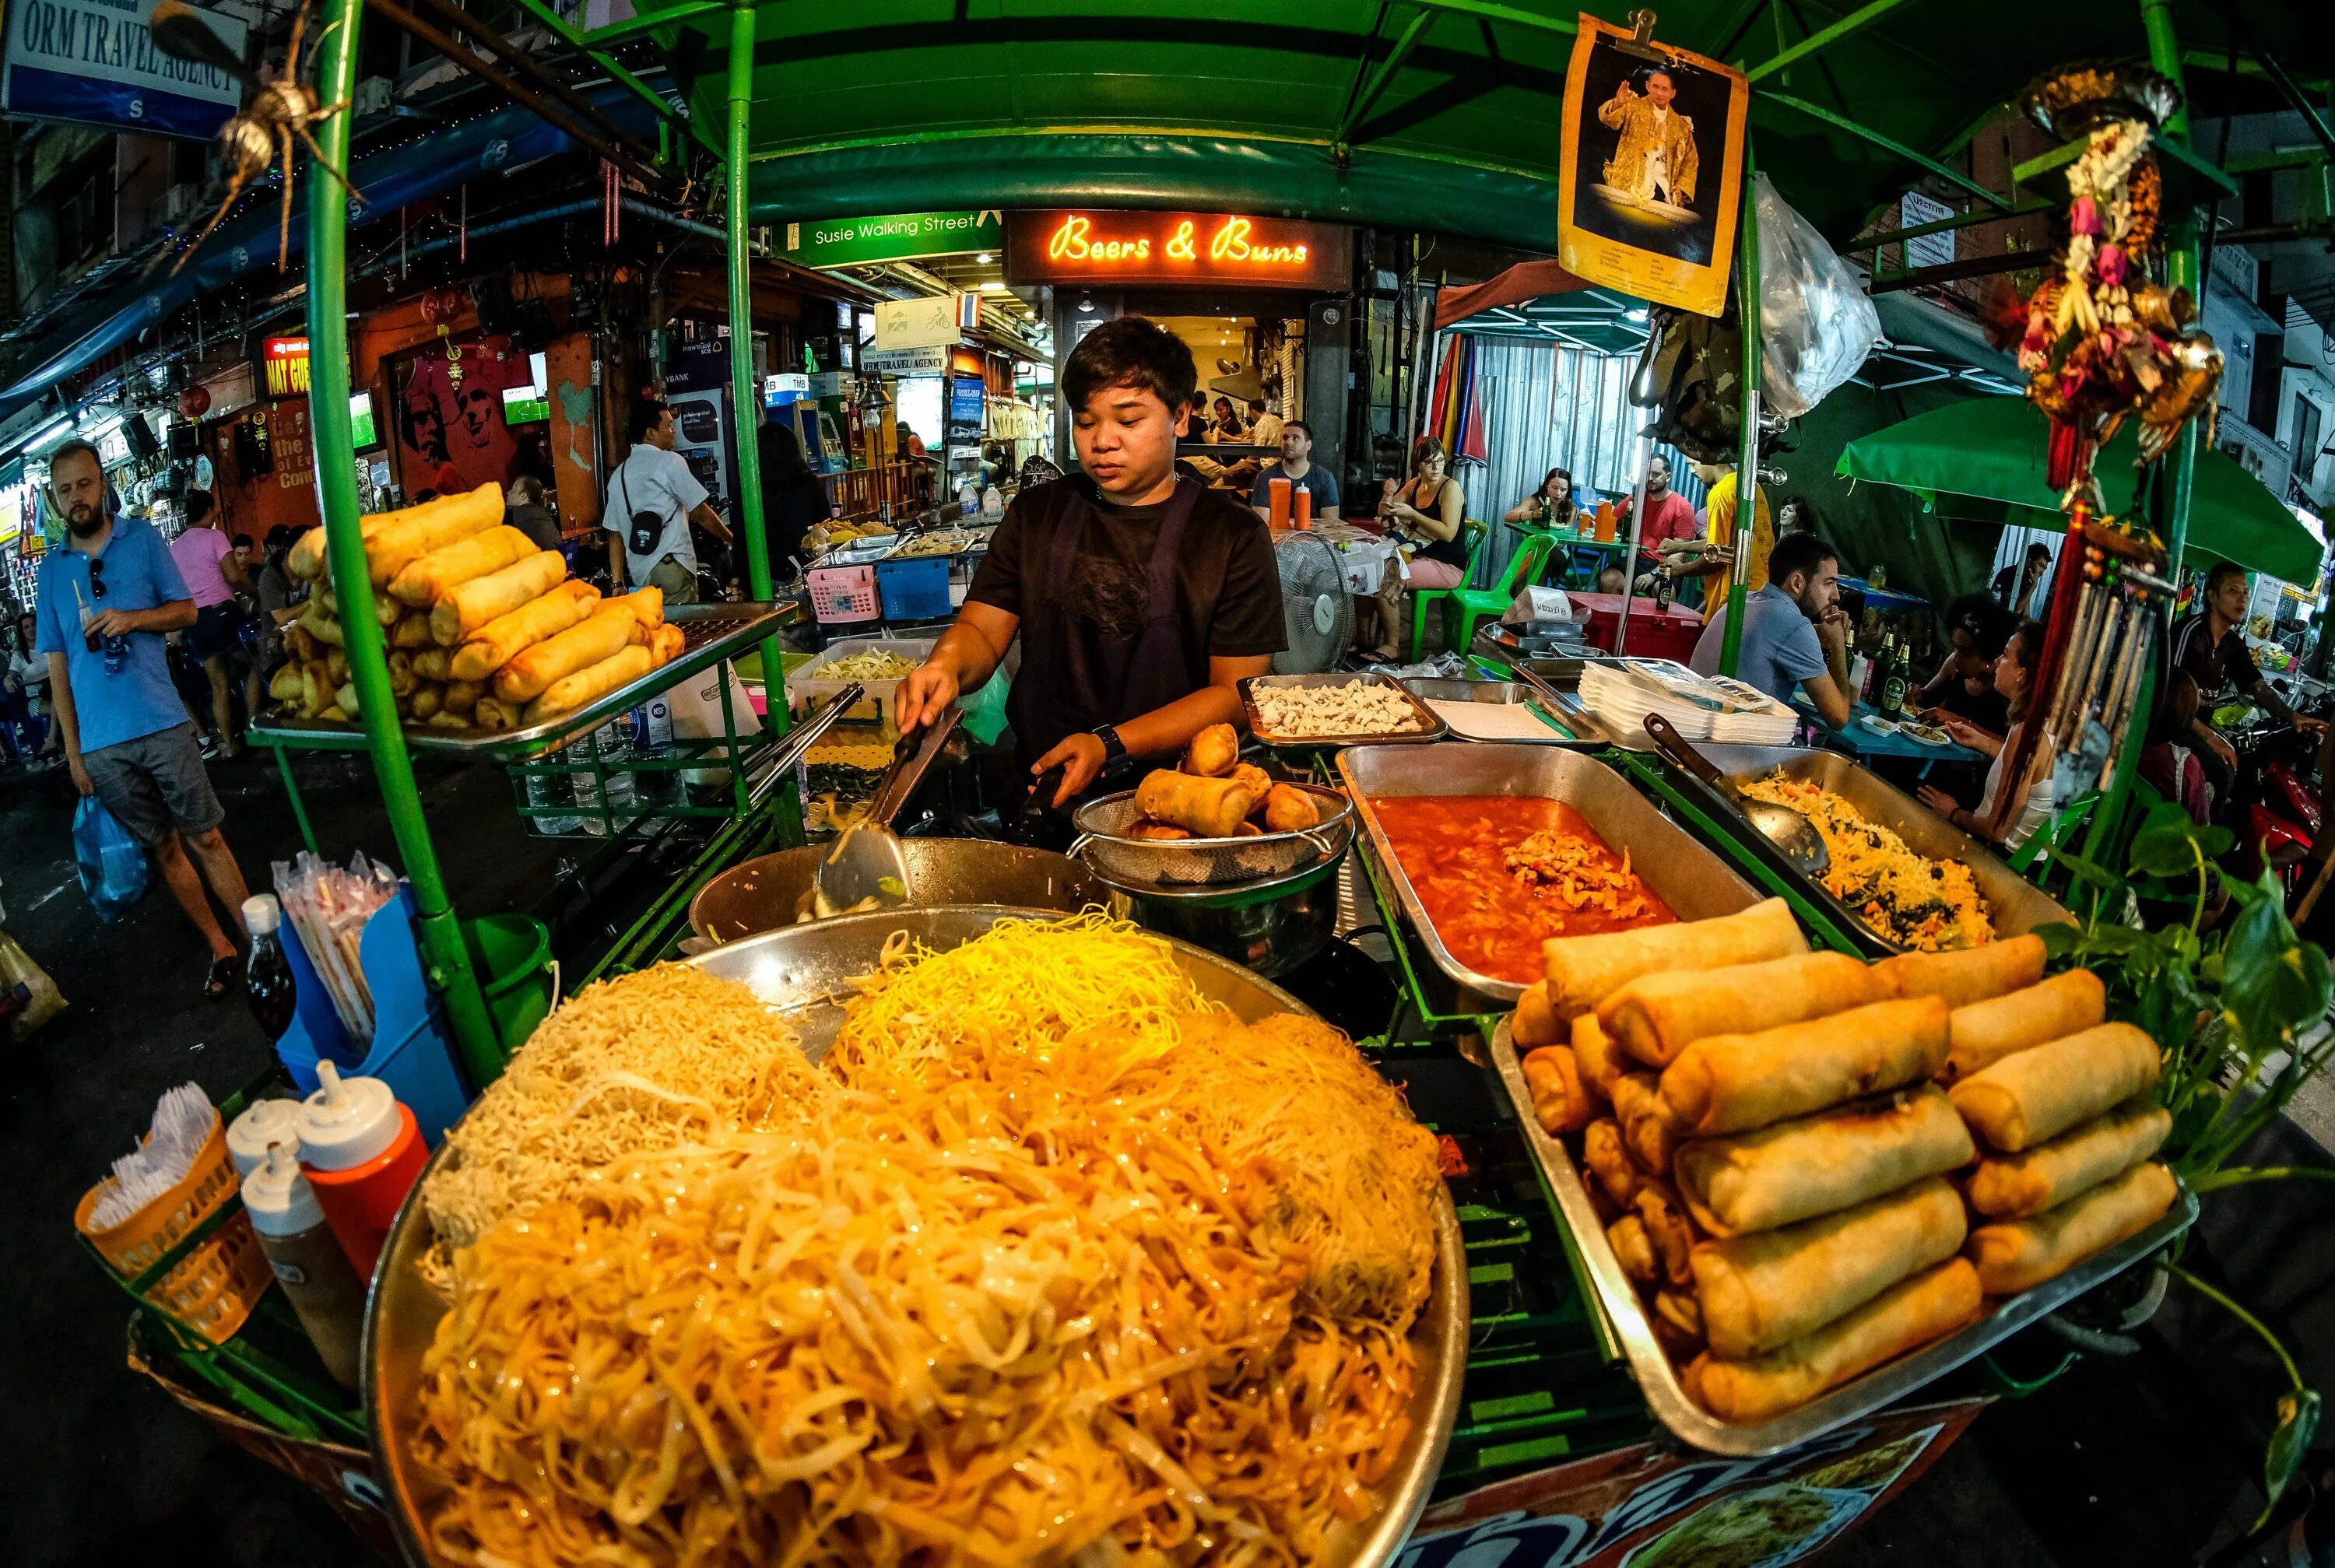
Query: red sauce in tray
point(1499, 875)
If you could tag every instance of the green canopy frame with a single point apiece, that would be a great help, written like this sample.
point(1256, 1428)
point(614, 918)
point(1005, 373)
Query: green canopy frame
point(1436, 115)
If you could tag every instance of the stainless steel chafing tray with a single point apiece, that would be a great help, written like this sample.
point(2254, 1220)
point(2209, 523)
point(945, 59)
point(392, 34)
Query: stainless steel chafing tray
point(1696, 883)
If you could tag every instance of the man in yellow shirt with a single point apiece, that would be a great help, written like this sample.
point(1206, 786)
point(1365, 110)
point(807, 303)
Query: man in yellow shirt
point(1720, 506)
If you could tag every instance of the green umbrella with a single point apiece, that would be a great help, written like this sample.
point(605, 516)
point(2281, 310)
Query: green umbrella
point(1992, 448)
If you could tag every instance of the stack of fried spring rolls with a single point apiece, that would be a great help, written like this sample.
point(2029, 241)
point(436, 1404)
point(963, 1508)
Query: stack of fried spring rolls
point(484, 630)
point(2063, 1104)
point(1806, 1148)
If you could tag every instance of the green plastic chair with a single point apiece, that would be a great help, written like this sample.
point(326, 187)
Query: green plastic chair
point(1464, 607)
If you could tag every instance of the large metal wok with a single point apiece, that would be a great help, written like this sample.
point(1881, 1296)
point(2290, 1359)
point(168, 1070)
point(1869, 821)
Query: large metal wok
point(800, 969)
point(764, 893)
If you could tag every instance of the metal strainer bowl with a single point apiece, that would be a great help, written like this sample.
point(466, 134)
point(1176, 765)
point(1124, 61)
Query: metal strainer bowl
point(1198, 862)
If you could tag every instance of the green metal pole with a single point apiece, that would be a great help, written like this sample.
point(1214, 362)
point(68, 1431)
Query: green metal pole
point(2165, 58)
point(444, 960)
point(1746, 473)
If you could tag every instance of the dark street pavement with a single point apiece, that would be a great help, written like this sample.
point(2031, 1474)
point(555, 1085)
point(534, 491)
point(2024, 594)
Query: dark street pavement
point(2150, 1460)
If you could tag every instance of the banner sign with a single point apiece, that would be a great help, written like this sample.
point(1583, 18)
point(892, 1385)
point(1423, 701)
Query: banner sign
point(934, 322)
point(933, 360)
point(284, 366)
point(1652, 172)
point(1172, 248)
point(967, 407)
point(93, 61)
point(1652, 1505)
point(898, 236)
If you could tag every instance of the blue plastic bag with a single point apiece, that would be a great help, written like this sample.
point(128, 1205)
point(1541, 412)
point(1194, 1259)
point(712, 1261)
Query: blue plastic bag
point(113, 868)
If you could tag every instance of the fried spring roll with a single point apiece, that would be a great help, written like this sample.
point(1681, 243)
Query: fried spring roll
point(1821, 1163)
point(1210, 807)
point(1633, 1248)
point(1601, 1064)
point(603, 635)
point(500, 640)
point(468, 606)
point(1761, 1292)
point(2012, 1186)
point(1735, 1082)
point(2037, 1093)
point(1608, 1160)
point(1985, 1032)
point(572, 692)
point(1656, 1016)
point(1583, 971)
point(1905, 1317)
point(2020, 1254)
point(1646, 1130)
point(1670, 1229)
point(1560, 1104)
point(426, 579)
point(1969, 976)
point(1535, 1023)
point(399, 538)
point(1213, 751)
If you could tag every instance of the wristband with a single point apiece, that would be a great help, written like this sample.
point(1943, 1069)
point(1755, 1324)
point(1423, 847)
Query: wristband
point(1114, 749)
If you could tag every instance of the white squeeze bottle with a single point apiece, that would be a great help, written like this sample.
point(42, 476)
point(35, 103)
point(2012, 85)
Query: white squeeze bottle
point(309, 1263)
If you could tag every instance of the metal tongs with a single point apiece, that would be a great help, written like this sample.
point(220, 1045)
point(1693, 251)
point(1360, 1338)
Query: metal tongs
point(867, 869)
point(1785, 828)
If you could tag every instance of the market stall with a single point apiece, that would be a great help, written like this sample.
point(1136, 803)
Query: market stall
point(959, 1227)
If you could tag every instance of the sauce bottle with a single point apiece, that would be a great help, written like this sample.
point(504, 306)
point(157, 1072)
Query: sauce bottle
point(263, 1122)
point(267, 978)
point(363, 1152)
point(308, 1261)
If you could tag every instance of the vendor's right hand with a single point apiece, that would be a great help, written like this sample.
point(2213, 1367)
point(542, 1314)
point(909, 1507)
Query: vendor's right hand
point(81, 780)
point(924, 693)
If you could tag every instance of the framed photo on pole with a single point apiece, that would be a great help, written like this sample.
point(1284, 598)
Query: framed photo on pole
point(1652, 179)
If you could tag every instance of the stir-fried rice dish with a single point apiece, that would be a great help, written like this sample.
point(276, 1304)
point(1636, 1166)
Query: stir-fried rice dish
point(1930, 906)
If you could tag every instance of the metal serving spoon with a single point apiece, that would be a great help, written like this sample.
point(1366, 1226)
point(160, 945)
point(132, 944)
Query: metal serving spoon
point(1785, 828)
point(867, 869)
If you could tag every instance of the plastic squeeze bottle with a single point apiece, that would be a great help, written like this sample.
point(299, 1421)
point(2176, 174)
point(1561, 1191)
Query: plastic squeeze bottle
point(363, 1152)
point(262, 1123)
point(308, 1261)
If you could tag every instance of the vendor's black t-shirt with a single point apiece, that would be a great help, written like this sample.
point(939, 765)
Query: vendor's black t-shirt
point(1227, 600)
point(2218, 667)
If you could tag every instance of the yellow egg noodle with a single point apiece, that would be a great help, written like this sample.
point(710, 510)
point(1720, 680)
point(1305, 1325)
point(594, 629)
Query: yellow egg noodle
point(1061, 1264)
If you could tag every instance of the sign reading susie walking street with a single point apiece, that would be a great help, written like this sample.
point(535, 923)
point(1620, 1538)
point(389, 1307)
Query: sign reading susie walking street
point(894, 236)
point(93, 61)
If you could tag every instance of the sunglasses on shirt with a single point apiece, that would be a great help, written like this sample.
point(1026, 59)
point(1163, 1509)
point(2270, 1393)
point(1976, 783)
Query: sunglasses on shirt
point(96, 578)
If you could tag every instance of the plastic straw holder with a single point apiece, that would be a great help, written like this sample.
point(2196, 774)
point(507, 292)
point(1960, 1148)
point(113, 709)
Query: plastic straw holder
point(214, 1287)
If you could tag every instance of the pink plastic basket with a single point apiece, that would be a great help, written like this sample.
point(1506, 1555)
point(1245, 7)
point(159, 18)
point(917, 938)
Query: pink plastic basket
point(843, 594)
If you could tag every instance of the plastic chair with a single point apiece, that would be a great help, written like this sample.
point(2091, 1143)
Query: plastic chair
point(1463, 606)
point(1473, 533)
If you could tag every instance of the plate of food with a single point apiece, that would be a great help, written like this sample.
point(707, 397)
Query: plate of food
point(1927, 734)
point(1877, 724)
point(1335, 711)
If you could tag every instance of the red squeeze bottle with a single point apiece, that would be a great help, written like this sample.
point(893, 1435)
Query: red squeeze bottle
point(1302, 499)
point(362, 1152)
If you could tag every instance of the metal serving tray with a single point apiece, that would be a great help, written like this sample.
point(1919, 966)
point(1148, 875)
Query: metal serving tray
point(1617, 1300)
point(1695, 883)
point(1432, 727)
point(801, 969)
point(2015, 905)
point(1586, 731)
point(712, 633)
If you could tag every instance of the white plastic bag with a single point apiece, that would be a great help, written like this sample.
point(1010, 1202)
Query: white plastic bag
point(1815, 324)
point(1536, 604)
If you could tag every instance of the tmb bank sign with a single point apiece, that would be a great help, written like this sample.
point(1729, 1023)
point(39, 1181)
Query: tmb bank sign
point(93, 61)
point(1198, 247)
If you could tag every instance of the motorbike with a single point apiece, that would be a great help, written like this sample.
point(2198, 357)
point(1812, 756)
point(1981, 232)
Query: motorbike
point(2274, 806)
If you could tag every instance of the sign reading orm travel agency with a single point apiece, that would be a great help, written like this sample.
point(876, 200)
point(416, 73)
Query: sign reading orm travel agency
point(897, 237)
point(95, 62)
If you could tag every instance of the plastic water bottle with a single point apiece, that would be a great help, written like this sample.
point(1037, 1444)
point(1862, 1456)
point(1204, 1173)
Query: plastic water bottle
point(617, 789)
point(968, 498)
point(652, 727)
point(544, 793)
point(992, 502)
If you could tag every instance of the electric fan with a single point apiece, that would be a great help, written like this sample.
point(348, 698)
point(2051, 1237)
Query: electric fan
point(1315, 605)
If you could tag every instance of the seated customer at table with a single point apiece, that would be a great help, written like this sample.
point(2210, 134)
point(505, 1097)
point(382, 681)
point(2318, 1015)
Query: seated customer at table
point(1424, 515)
point(1963, 687)
point(1549, 506)
point(1296, 465)
point(1792, 630)
point(2014, 677)
point(1207, 470)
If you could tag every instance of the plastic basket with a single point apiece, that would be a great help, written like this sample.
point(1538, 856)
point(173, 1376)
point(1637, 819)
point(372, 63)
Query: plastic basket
point(213, 1288)
point(843, 594)
point(807, 690)
point(916, 589)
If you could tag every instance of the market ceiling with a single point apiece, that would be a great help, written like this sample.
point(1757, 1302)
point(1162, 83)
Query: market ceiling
point(1437, 115)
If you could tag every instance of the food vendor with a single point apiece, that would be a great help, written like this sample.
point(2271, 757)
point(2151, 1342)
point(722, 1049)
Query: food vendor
point(1793, 630)
point(1141, 597)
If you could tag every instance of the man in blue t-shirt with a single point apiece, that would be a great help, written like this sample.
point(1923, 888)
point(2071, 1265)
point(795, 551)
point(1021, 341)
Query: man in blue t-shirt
point(104, 601)
point(1296, 465)
point(1791, 630)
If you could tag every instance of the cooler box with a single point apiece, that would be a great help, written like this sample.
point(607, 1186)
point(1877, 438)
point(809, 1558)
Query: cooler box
point(1671, 635)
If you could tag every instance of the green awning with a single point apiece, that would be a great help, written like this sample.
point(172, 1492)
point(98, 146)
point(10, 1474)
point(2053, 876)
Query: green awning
point(1991, 449)
point(1432, 115)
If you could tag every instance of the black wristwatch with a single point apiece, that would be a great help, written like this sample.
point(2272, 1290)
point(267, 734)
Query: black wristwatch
point(1114, 749)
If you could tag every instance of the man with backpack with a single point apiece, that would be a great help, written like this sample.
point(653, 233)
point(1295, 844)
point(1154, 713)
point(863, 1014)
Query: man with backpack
point(653, 500)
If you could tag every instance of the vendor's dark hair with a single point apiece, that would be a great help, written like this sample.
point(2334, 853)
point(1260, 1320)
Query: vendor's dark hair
point(1802, 553)
point(1298, 425)
point(1132, 351)
point(2217, 574)
point(647, 414)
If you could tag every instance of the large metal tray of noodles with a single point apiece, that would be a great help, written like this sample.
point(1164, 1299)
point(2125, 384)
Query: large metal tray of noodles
point(2000, 1317)
point(2014, 906)
point(803, 970)
point(710, 633)
point(1696, 883)
point(1427, 725)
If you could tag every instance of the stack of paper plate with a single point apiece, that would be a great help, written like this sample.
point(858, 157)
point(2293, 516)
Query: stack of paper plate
point(1623, 692)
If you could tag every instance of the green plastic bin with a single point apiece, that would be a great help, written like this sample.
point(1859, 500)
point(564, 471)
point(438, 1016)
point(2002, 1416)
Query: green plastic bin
point(511, 954)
